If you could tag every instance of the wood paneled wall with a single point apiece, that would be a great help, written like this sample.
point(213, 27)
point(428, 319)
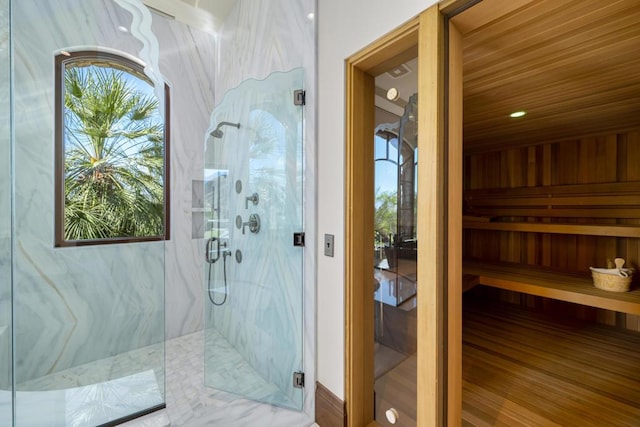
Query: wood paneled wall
point(601, 159)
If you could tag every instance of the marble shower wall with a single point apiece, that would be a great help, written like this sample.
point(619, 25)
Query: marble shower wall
point(258, 39)
point(75, 305)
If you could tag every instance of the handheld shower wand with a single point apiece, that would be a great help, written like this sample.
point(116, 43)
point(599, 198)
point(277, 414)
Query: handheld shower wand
point(212, 255)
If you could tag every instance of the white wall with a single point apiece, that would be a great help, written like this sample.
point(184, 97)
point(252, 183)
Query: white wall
point(343, 29)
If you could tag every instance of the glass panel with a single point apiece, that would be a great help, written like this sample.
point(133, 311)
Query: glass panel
point(396, 269)
point(88, 321)
point(254, 170)
point(6, 415)
point(395, 222)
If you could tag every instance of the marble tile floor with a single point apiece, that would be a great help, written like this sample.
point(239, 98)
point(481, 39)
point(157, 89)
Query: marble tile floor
point(226, 370)
point(93, 393)
point(189, 402)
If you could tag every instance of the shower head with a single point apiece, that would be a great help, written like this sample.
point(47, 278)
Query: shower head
point(217, 132)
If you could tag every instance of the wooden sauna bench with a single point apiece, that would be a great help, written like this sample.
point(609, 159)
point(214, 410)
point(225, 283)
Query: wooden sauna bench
point(550, 284)
point(602, 209)
point(581, 209)
point(523, 368)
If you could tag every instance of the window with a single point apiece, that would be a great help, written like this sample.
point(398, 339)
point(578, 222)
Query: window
point(112, 152)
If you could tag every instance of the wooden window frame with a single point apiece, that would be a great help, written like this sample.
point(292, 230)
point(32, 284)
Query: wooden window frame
point(132, 67)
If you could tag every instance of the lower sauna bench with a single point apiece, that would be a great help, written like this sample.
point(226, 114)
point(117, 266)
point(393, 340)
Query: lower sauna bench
point(525, 368)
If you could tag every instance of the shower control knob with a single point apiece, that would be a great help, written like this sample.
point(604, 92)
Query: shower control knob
point(253, 223)
point(254, 198)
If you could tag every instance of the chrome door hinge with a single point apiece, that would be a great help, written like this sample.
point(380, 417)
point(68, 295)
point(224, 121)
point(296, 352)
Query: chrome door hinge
point(298, 379)
point(299, 97)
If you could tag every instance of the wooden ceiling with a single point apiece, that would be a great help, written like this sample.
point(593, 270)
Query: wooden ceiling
point(573, 65)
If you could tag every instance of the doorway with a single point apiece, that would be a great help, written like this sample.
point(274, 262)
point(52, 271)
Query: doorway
point(439, 273)
point(422, 38)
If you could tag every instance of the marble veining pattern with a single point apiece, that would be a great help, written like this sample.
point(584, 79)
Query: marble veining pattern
point(63, 295)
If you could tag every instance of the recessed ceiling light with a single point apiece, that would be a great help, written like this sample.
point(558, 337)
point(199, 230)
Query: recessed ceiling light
point(123, 29)
point(310, 16)
point(517, 114)
point(392, 94)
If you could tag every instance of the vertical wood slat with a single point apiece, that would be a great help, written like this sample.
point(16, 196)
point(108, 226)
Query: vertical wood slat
point(632, 172)
point(633, 154)
point(430, 228)
point(610, 156)
point(567, 172)
point(359, 232)
point(454, 231)
point(547, 178)
point(586, 160)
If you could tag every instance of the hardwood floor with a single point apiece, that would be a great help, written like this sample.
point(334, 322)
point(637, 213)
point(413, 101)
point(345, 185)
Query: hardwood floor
point(521, 368)
point(397, 389)
point(524, 369)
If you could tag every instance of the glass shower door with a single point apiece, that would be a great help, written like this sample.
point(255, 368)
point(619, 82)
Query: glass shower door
point(395, 297)
point(88, 317)
point(254, 269)
point(6, 415)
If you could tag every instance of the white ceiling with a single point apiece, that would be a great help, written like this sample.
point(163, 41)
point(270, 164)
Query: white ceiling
point(407, 85)
point(218, 8)
point(205, 15)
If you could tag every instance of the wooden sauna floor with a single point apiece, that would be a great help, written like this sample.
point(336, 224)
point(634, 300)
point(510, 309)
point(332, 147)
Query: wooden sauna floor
point(524, 369)
point(521, 368)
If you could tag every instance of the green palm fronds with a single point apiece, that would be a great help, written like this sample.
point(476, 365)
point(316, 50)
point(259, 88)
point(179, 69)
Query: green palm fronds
point(114, 157)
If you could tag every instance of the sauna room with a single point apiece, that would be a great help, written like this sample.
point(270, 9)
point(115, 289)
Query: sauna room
point(551, 188)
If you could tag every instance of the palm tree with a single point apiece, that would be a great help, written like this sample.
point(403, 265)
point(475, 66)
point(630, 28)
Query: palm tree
point(386, 216)
point(114, 156)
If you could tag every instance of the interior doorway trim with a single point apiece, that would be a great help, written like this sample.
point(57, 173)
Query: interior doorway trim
point(421, 37)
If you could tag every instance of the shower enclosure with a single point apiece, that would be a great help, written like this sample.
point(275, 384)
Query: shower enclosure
point(88, 308)
point(255, 241)
point(6, 414)
point(104, 107)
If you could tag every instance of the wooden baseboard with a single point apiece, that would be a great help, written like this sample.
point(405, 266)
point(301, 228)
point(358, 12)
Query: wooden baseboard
point(329, 408)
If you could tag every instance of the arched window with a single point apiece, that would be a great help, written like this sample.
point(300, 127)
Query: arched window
point(112, 152)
